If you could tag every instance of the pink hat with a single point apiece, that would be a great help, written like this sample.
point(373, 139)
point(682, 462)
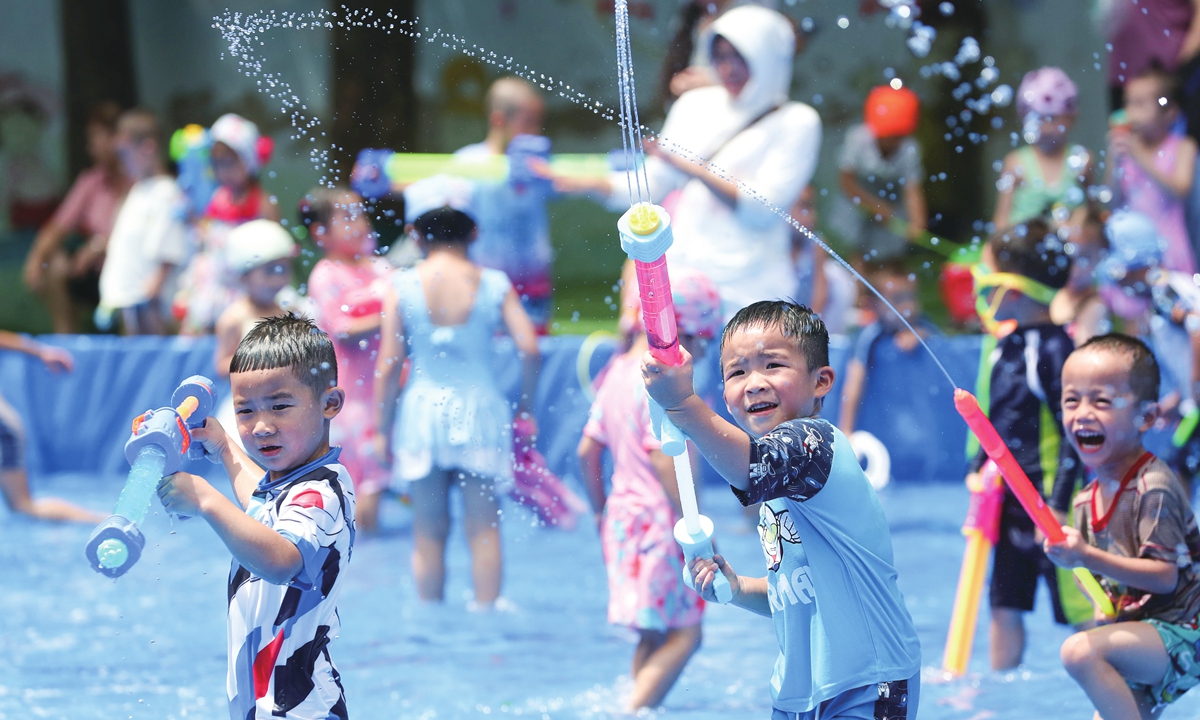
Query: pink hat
point(697, 303)
point(1046, 91)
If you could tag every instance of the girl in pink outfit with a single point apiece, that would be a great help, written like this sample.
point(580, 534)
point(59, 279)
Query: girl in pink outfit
point(1153, 167)
point(637, 518)
point(347, 287)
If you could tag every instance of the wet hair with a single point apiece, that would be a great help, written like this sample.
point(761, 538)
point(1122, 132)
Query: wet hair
point(1034, 250)
point(1144, 375)
point(289, 341)
point(1168, 86)
point(797, 322)
point(445, 225)
point(105, 114)
point(140, 125)
point(319, 204)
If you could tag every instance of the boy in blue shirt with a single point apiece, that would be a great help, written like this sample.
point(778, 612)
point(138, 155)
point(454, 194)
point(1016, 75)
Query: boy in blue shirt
point(848, 648)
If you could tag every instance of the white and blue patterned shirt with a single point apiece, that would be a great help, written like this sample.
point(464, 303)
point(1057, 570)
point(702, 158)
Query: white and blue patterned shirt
point(279, 635)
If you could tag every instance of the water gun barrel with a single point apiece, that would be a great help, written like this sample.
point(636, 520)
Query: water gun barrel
point(159, 442)
point(1014, 476)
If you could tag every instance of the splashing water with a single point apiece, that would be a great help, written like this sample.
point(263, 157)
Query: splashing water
point(243, 31)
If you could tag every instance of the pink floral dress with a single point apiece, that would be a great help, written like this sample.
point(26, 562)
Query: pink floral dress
point(343, 293)
point(645, 565)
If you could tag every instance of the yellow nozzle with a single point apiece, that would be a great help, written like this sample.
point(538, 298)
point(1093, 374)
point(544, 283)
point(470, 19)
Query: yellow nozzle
point(187, 407)
point(643, 219)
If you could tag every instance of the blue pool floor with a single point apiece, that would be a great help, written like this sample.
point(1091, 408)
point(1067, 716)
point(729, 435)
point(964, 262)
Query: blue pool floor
point(152, 644)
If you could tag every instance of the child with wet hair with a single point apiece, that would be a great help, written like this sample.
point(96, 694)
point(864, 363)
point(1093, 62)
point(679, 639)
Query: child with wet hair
point(292, 530)
point(1025, 266)
point(637, 517)
point(1152, 167)
point(825, 539)
point(1135, 531)
point(1046, 177)
point(453, 426)
point(347, 288)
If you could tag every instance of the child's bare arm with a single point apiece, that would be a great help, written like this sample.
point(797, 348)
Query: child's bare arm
point(664, 468)
point(749, 593)
point(591, 454)
point(55, 358)
point(388, 365)
point(1004, 198)
point(915, 207)
point(724, 445)
point(870, 204)
point(257, 547)
point(852, 388)
point(1153, 576)
point(524, 335)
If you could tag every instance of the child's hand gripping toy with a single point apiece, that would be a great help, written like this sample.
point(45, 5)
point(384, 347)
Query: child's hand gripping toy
point(160, 441)
point(982, 530)
point(646, 236)
point(1030, 499)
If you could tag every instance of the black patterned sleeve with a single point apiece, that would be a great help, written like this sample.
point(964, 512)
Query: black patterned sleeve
point(793, 461)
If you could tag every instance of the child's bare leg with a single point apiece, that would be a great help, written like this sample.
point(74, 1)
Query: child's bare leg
point(1103, 660)
point(431, 527)
point(662, 668)
point(648, 642)
point(1007, 638)
point(481, 524)
point(15, 488)
point(366, 512)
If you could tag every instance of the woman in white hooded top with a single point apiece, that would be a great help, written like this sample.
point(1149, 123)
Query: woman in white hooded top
point(746, 128)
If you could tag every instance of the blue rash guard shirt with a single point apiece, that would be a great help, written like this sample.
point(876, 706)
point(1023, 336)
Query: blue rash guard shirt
point(838, 613)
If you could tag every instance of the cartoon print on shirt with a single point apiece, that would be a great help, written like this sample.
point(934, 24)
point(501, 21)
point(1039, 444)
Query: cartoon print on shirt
point(774, 529)
point(796, 456)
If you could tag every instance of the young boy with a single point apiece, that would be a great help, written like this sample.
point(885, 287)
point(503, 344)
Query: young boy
point(148, 240)
point(1136, 530)
point(847, 644)
point(292, 536)
point(1025, 266)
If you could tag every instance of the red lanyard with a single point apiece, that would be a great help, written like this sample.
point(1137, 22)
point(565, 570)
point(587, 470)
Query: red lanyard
point(1098, 525)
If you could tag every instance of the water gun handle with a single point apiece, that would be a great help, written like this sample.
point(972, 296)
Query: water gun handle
point(1187, 426)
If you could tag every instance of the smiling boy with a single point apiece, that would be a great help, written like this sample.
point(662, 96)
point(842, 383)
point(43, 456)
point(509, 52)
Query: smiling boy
point(1135, 530)
point(848, 648)
point(292, 536)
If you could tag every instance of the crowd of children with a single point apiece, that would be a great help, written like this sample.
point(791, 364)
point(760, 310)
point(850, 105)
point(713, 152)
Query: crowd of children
point(381, 377)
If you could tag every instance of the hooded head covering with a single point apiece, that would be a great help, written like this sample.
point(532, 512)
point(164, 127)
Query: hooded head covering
point(766, 41)
point(697, 303)
point(437, 192)
point(243, 138)
point(892, 112)
point(258, 242)
point(1046, 91)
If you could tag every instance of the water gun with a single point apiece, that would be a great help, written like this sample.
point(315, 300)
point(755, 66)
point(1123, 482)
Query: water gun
point(645, 231)
point(1187, 425)
point(378, 173)
point(156, 447)
point(982, 530)
point(1031, 500)
point(539, 489)
point(190, 147)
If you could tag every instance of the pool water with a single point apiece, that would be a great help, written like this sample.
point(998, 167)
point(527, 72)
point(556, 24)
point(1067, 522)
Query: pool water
point(152, 643)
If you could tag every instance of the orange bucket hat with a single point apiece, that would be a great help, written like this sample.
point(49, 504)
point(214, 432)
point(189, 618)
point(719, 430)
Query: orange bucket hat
point(891, 112)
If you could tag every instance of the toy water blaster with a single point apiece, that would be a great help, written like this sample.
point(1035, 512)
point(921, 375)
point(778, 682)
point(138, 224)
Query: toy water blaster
point(378, 173)
point(191, 148)
point(982, 530)
point(1031, 500)
point(156, 447)
point(645, 231)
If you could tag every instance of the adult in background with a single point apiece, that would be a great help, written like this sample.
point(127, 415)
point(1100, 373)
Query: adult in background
point(66, 279)
point(748, 130)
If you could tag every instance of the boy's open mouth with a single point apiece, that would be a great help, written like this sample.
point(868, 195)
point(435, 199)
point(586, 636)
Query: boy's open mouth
point(761, 407)
point(1089, 440)
point(270, 450)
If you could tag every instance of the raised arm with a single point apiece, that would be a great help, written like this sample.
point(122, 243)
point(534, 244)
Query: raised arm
point(389, 365)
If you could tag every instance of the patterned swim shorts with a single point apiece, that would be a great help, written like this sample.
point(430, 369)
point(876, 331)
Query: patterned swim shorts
point(1183, 674)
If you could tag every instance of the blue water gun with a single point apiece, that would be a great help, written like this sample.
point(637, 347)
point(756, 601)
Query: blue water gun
point(190, 149)
point(160, 441)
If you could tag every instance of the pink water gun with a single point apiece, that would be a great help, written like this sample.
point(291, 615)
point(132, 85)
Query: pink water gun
point(646, 236)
